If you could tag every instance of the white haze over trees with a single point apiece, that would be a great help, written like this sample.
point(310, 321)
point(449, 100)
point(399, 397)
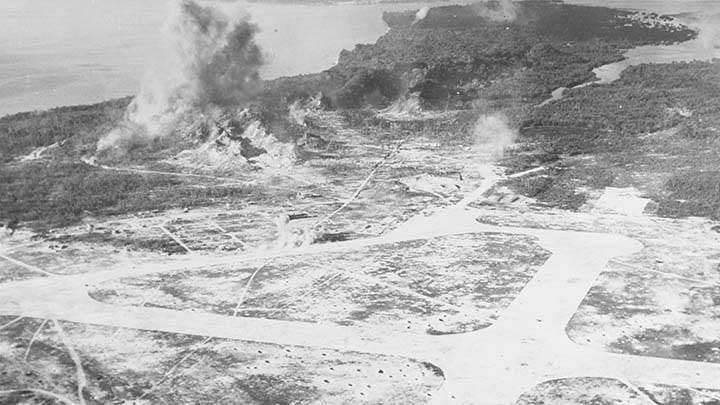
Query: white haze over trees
point(493, 134)
point(211, 64)
point(502, 10)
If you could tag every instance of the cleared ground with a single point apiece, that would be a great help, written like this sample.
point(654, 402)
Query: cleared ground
point(443, 285)
point(116, 365)
point(590, 390)
point(437, 296)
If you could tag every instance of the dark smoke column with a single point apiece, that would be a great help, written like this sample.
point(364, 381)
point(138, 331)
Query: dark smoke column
point(211, 62)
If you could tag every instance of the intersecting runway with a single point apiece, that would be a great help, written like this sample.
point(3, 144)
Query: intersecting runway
point(526, 346)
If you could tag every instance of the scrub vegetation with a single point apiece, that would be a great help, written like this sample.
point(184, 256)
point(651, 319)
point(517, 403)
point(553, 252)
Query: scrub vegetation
point(455, 58)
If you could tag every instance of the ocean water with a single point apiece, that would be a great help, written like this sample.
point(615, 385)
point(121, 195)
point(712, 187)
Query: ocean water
point(703, 15)
point(81, 51)
point(67, 52)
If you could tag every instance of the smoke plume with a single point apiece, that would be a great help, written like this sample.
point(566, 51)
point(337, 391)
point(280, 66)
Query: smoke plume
point(493, 135)
point(500, 10)
point(211, 62)
point(421, 14)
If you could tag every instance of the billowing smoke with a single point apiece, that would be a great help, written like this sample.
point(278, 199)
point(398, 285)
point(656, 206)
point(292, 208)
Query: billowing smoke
point(493, 10)
point(709, 31)
point(421, 14)
point(405, 107)
point(493, 135)
point(496, 10)
point(211, 62)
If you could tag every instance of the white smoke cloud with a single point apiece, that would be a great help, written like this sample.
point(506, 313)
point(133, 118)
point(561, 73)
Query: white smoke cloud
point(496, 10)
point(421, 14)
point(493, 135)
point(708, 26)
point(211, 61)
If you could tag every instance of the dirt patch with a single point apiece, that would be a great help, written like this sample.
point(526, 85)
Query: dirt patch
point(130, 365)
point(581, 391)
point(607, 391)
point(650, 314)
point(13, 272)
point(449, 284)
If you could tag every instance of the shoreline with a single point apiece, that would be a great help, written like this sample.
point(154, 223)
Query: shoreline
point(394, 5)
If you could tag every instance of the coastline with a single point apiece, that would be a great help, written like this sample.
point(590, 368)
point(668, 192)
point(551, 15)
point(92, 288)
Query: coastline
point(419, 223)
